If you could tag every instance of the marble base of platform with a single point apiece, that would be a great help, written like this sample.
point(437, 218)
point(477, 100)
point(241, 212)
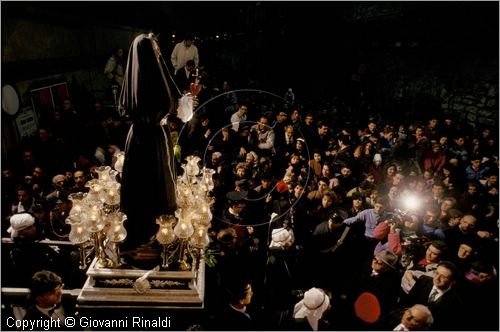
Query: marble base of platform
point(114, 288)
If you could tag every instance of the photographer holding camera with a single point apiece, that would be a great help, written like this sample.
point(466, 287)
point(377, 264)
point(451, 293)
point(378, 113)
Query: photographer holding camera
point(371, 218)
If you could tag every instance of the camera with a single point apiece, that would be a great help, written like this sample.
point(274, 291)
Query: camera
point(397, 217)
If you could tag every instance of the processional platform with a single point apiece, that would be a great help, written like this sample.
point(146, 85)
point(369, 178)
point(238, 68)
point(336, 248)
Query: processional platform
point(114, 288)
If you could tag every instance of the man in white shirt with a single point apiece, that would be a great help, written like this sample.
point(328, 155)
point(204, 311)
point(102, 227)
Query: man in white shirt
point(238, 116)
point(184, 51)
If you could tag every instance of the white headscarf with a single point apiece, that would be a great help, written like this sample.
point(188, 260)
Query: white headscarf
point(281, 237)
point(18, 222)
point(312, 306)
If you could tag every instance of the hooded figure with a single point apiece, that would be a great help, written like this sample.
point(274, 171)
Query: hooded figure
point(148, 178)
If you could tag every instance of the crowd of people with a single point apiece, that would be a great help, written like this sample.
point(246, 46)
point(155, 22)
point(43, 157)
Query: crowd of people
point(309, 212)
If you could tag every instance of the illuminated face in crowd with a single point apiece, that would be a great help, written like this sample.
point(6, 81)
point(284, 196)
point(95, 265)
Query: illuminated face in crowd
point(23, 196)
point(322, 186)
point(378, 208)
point(467, 223)
point(430, 218)
point(454, 221)
point(378, 265)
point(357, 203)
point(294, 159)
point(460, 141)
point(249, 160)
point(323, 130)
point(240, 172)
point(309, 120)
point(391, 170)
point(437, 190)
point(243, 110)
point(299, 145)
point(266, 183)
point(37, 172)
point(415, 320)
point(393, 193)
point(326, 201)
point(443, 278)
point(79, 178)
point(446, 205)
point(298, 190)
point(465, 251)
point(325, 171)
point(346, 172)
point(370, 178)
point(397, 179)
point(432, 254)
point(432, 123)
point(262, 123)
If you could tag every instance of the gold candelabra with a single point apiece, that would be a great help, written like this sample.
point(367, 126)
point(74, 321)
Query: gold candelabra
point(189, 237)
point(97, 222)
point(95, 216)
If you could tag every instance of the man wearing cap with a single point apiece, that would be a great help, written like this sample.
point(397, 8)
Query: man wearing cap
point(281, 270)
point(233, 217)
point(59, 185)
point(57, 216)
point(382, 280)
point(331, 243)
point(27, 254)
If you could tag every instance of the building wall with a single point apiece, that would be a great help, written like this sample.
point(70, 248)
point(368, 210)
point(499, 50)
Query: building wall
point(37, 54)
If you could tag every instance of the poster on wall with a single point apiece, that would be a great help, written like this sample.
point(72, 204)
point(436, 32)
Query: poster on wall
point(48, 98)
point(27, 123)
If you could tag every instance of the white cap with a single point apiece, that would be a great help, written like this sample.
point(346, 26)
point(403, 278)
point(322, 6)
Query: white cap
point(377, 157)
point(57, 178)
point(18, 222)
point(281, 237)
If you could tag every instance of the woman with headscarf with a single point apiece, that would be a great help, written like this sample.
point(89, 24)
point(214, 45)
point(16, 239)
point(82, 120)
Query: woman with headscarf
point(148, 178)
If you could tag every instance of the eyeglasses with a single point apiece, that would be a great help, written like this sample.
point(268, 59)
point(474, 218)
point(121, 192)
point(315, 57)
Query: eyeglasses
point(378, 261)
